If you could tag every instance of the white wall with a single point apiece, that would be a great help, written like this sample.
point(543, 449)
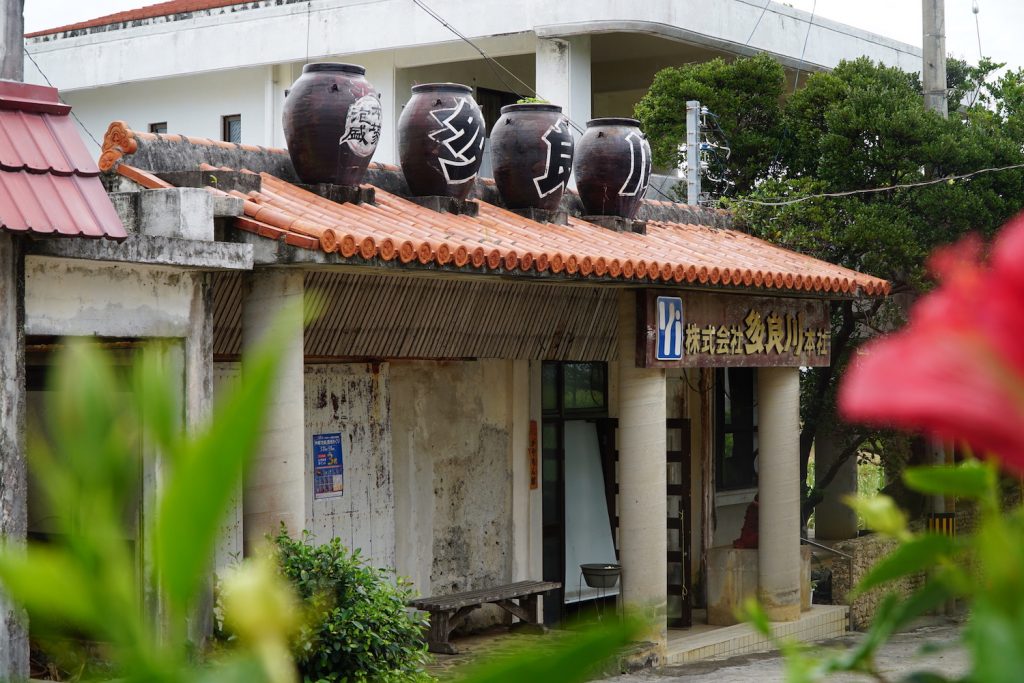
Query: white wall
point(191, 105)
point(451, 427)
point(307, 31)
point(226, 377)
point(85, 298)
point(353, 400)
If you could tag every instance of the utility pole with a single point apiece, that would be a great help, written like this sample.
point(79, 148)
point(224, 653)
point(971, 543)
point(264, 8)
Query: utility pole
point(693, 152)
point(12, 41)
point(933, 52)
point(14, 647)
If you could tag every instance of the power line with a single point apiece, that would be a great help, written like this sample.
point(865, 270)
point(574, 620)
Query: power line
point(758, 23)
point(779, 201)
point(46, 78)
point(495, 63)
point(799, 64)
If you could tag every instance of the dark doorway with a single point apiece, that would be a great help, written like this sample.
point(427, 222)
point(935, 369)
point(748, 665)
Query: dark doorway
point(578, 483)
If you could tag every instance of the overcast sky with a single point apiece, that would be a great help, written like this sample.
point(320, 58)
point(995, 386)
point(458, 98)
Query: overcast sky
point(1000, 21)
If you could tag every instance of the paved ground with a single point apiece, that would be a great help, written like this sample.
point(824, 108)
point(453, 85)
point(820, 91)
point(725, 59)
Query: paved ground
point(901, 655)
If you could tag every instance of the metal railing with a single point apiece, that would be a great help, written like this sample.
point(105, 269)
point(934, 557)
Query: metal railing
point(849, 567)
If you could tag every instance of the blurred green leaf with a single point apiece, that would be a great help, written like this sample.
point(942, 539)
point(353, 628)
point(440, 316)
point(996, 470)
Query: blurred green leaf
point(51, 585)
point(881, 514)
point(910, 557)
point(972, 479)
point(197, 496)
point(156, 398)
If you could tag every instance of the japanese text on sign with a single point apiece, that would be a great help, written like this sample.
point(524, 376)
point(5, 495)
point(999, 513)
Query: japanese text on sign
point(773, 333)
point(697, 329)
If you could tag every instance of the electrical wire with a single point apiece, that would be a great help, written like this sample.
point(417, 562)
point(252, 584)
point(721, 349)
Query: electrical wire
point(47, 79)
point(493, 62)
point(779, 201)
point(758, 23)
point(799, 64)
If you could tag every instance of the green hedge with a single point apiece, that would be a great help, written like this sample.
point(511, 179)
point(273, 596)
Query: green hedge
point(360, 629)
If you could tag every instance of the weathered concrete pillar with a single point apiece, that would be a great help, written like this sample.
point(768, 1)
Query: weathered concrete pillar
point(563, 75)
point(275, 489)
point(778, 425)
point(13, 484)
point(834, 520)
point(643, 508)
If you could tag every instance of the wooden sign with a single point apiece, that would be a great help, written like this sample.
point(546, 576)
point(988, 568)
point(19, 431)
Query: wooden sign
point(534, 464)
point(696, 329)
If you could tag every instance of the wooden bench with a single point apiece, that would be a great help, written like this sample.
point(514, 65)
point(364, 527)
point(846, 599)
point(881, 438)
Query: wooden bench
point(448, 612)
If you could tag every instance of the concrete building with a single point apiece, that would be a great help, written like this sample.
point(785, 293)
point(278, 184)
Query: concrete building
point(74, 265)
point(482, 398)
point(467, 408)
point(219, 69)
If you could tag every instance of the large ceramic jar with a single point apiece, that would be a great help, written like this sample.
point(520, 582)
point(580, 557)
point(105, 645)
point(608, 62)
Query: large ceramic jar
point(441, 136)
point(613, 167)
point(531, 148)
point(332, 121)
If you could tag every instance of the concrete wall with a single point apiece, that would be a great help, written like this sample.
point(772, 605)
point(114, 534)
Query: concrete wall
point(353, 400)
point(226, 377)
point(452, 442)
point(65, 297)
point(191, 105)
point(296, 32)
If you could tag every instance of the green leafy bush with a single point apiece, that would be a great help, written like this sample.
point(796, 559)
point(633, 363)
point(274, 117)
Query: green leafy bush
point(360, 629)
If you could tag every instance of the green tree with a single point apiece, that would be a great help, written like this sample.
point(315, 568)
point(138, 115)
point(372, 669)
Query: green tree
point(861, 126)
point(744, 96)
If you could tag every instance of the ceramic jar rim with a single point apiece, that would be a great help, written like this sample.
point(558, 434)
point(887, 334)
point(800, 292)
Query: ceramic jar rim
point(335, 66)
point(613, 121)
point(531, 106)
point(433, 87)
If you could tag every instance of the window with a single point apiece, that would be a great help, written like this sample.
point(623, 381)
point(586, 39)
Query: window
point(491, 102)
point(735, 428)
point(160, 128)
point(575, 389)
point(232, 128)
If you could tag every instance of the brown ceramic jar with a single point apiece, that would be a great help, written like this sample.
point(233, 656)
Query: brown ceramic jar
point(532, 148)
point(441, 136)
point(332, 122)
point(613, 167)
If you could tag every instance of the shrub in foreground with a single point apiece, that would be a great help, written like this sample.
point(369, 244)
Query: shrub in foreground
point(359, 628)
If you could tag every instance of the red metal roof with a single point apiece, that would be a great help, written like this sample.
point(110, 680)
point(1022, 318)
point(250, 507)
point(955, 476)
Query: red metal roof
point(162, 9)
point(48, 182)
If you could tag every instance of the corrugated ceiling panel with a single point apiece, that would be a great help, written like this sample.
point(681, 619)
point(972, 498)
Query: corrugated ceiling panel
point(380, 316)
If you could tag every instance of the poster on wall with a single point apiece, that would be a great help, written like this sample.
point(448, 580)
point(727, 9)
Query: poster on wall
point(328, 466)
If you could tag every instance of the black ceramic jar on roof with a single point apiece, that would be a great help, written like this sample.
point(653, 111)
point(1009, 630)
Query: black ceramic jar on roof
point(613, 167)
point(441, 136)
point(532, 151)
point(332, 123)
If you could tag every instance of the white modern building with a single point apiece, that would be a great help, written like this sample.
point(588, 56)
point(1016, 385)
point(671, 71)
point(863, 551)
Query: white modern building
point(222, 71)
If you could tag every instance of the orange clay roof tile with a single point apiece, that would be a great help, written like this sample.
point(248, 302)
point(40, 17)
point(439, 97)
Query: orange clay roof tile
point(498, 239)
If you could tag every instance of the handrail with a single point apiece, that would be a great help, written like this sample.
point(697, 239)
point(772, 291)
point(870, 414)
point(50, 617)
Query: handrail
point(825, 547)
point(849, 564)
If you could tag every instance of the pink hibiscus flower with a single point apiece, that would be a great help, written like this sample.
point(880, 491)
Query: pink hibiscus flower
point(956, 371)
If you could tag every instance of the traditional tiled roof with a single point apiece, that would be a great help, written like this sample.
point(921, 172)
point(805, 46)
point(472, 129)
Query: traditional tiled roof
point(48, 182)
point(394, 229)
point(161, 9)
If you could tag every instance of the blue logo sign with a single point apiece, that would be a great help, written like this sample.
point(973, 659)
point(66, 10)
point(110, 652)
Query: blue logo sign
point(670, 328)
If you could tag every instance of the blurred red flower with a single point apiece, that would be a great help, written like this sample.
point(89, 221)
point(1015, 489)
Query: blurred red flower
point(956, 371)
